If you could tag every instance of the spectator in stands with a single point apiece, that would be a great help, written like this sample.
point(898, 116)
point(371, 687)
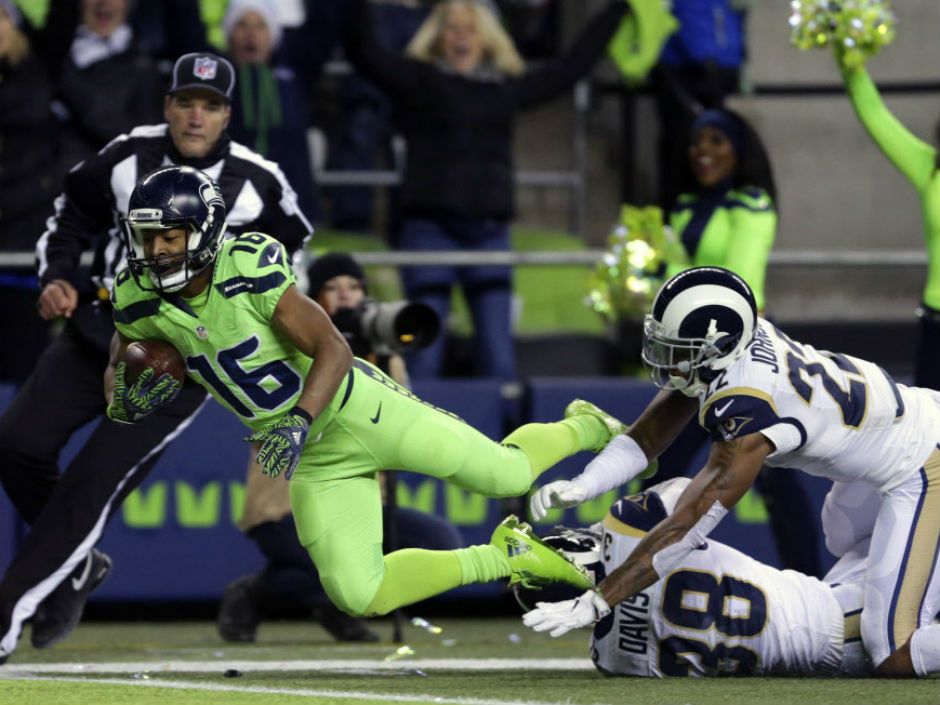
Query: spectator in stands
point(289, 580)
point(170, 28)
point(107, 85)
point(456, 94)
point(725, 213)
point(919, 161)
point(699, 67)
point(726, 216)
point(269, 113)
point(30, 166)
point(365, 121)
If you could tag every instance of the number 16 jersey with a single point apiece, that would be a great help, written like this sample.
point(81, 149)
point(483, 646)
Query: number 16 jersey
point(826, 413)
point(225, 334)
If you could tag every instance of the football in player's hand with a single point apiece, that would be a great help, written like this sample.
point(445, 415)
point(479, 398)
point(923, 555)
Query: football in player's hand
point(162, 357)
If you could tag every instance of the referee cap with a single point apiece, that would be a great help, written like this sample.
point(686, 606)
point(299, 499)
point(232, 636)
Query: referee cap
point(206, 71)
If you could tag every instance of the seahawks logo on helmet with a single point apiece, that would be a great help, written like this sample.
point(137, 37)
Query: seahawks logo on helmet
point(701, 321)
point(173, 197)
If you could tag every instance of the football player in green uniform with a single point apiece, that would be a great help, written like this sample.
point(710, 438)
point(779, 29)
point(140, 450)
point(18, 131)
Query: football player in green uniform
point(324, 420)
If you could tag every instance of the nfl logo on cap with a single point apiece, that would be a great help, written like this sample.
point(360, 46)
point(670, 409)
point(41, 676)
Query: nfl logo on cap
point(203, 71)
point(205, 68)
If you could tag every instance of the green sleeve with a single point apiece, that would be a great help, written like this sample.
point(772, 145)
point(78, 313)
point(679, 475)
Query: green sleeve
point(752, 237)
point(259, 263)
point(911, 155)
point(280, 267)
point(133, 310)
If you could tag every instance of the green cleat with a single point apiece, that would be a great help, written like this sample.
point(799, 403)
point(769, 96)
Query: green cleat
point(535, 563)
point(614, 426)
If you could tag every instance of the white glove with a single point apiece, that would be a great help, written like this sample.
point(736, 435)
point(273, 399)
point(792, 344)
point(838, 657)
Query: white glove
point(562, 617)
point(557, 495)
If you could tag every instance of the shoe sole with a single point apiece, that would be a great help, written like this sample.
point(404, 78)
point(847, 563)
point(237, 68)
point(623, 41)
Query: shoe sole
point(523, 532)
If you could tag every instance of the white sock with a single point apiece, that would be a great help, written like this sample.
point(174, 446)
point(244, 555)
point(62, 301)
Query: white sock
point(925, 650)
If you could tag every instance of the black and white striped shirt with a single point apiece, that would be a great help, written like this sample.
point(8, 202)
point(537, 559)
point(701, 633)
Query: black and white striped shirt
point(96, 193)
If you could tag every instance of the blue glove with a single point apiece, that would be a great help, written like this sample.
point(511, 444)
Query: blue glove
point(130, 404)
point(282, 442)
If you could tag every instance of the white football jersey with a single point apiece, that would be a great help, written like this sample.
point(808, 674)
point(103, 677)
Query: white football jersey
point(828, 414)
point(721, 612)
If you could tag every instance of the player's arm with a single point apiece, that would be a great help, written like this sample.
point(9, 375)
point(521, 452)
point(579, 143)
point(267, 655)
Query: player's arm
point(310, 330)
point(662, 420)
point(731, 469)
point(308, 327)
point(625, 457)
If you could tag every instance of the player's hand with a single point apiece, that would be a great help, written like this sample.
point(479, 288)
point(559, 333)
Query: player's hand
point(556, 495)
point(561, 617)
point(131, 403)
point(58, 298)
point(282, 442)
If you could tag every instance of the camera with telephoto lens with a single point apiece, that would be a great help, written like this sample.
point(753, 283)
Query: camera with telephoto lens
point(389, 327)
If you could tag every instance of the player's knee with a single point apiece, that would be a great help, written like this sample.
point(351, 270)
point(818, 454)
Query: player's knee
point(351, 596)
point(837, 544)
point(513, 478)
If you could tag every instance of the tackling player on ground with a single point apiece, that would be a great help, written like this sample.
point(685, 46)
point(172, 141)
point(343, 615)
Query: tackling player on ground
point(719, 612)
point(324, 420)
point(765, 398)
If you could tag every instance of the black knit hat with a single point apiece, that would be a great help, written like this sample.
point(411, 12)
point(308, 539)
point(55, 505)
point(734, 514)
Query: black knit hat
point(332, 264)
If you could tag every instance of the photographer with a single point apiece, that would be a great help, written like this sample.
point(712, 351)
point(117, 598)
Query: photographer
point(289, 582)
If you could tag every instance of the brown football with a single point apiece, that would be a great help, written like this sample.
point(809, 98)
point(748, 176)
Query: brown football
point(162, 357)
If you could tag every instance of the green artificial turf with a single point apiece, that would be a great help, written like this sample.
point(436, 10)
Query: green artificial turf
point(504, 640)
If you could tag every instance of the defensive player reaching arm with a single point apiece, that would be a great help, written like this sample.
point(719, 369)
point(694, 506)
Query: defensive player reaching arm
point(731, 469)
point(326, 421)
point(718, 611)
point(768, 399)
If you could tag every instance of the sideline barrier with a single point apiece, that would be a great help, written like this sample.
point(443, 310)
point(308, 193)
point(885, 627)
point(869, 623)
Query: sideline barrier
point(175, 537)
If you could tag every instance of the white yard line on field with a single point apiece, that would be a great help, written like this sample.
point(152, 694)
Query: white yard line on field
point(15, 670)
point(298, 692)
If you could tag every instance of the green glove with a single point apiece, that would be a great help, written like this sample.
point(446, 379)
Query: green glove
point(282, 442)
point(146, 395)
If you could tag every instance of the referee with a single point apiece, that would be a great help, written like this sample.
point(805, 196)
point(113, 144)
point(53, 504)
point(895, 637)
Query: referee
point(68, 513)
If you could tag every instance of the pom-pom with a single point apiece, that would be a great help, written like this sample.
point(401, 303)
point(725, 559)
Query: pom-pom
point(856, 29)
point(630, 273)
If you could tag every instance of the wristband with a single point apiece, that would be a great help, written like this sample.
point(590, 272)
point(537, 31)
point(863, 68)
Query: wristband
point(302, 413)
point(621, 461)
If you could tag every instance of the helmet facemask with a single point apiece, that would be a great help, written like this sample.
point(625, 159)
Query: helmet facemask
point(170, 273)
point(686, 365)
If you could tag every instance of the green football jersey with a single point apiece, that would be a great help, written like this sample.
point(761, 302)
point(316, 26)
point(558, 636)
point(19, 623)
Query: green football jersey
point(225, 335)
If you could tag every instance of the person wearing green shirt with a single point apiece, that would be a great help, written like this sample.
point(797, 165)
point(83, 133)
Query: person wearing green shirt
point(918, 161)
point(725, 216)
point(324, 420)
point(725, 213)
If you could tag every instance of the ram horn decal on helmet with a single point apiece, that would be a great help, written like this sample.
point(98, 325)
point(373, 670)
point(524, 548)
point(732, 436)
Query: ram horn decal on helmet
point(701, 321)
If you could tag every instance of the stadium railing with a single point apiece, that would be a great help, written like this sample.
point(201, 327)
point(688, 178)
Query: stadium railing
point(424, 258)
